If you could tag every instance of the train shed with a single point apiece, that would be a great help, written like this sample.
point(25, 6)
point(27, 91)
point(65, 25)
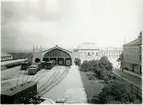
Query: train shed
point(57, 54)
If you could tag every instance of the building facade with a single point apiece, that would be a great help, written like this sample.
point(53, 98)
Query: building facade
point(57, 54)
point(113, 54)
point(132, 55)
point(89, 51)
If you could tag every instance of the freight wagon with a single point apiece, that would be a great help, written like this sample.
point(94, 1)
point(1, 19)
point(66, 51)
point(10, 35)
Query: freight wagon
point(19, 94)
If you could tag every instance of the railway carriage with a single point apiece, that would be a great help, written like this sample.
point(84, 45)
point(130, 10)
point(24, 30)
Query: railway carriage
point(49, 64)
point(34, 68)
point(19, 94)
point(25, 65)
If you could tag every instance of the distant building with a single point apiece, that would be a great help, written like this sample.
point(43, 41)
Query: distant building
point(110, 52)
point(87, 51)
point(5, 56)
point(113, 54)
point(132, 55)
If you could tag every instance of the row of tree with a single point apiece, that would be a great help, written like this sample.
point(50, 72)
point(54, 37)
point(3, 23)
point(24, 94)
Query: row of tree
point(115, 90)
point(102, 68)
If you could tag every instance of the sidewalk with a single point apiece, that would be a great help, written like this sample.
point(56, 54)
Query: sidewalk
point(134, 74)
point(129, 76)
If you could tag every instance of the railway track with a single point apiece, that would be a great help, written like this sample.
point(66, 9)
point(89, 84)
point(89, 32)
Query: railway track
point(57, 77)
point(43, 86)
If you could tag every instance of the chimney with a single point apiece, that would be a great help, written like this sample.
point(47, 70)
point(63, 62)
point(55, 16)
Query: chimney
point(140, 36)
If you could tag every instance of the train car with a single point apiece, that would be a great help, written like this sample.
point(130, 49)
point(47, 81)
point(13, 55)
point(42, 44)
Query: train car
point(25, 65)
point(49, 64)
point(43, 64)
point(34, 68)
point(19, 94)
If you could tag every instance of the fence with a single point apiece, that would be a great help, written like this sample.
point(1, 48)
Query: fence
point(133, 88)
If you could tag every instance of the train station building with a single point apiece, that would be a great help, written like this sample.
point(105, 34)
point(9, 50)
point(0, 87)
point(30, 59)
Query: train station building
point(57, 54)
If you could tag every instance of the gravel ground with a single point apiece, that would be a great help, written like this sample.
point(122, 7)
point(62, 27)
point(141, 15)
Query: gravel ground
point(70, 89)
point(13, 76)
point(10, 73)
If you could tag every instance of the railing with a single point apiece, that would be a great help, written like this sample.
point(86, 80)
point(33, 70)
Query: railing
point(133, 88)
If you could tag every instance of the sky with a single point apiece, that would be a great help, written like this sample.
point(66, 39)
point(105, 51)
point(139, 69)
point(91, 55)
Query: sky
point(67, 23)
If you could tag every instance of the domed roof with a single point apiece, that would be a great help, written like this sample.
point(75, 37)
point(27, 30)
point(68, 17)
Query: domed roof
point(87, 45)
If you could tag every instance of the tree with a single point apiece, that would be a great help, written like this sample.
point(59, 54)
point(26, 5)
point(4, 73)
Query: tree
point(117, 90)
point(102, 67)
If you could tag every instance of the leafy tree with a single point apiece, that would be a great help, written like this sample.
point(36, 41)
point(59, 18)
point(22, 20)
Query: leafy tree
point(117, 90)
point(85, 66)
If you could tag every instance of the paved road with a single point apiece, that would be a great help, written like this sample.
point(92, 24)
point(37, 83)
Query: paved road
point(128, 76)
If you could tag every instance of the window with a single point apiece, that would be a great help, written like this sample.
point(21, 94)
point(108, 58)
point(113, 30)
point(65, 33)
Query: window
point(92, 52)
point(96, 53)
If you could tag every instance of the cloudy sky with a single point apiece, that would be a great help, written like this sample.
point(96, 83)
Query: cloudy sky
point(67, 23)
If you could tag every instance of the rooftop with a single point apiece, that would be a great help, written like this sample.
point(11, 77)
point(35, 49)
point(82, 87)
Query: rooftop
point(137, 41)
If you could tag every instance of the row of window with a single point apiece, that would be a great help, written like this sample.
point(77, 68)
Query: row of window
point(110, 55)
point(131, 49)
point(108, 52)
point(132, 57)
point(90, 53)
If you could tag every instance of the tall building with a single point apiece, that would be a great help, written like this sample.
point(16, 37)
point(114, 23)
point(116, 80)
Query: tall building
point(132, 55)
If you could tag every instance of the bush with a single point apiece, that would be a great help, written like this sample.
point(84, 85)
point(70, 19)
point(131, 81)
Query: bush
point(102, 67)
point(117, 90)
point(106, 79)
